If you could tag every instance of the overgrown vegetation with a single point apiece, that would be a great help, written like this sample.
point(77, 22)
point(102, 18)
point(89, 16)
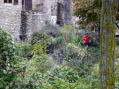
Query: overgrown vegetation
point(47, 62)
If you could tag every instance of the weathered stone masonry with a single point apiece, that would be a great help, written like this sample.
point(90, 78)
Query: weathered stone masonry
point(24, 17)
point(10, 18)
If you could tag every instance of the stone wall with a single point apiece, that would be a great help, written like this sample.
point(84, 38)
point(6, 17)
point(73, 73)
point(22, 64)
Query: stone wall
point(10, 19)
point(37, 3)
point(35, 22)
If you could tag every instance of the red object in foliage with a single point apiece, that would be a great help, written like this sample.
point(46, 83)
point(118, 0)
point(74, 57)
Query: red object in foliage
point(86, 40)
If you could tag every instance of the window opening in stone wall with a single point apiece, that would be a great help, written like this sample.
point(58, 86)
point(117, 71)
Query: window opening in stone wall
point(28, 4)
point(54, 10)
point(15, 2)
point(22, 2)
point(59, 14)
point(7, 1)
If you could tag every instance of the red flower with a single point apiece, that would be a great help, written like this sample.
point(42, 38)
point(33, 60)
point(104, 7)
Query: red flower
point(86, 39)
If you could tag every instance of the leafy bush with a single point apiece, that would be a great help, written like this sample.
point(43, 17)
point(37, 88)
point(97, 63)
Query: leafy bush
point(40, 38)
point(77, 40)
point(6, 58)
point(67, 78)
point(23, 50)
point(68, 32)
point(55, 44)
point(39, 49)
point(85, 53)
point(6, 46)
point(39, 64)
point(40, 43)
point(34, 72)
point(59, 78)
point(75, 52)
point(58, 42)
point(41, 71)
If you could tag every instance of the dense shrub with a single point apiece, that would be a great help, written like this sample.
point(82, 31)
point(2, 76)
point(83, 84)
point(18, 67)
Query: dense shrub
point(39, 37)
point(55, 44)
point(58, 42)
point(61, 77)
point(51, 30)
point(41, 43)
point(6, 46)
point(68, 32)
point(23, 50)
point(75, 71)
point(39, 49)
point(32, 73)
point(67, 78)
point(6, 58)
point(84, 53)
point(77, 40)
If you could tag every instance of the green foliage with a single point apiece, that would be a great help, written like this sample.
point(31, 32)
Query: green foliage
point(40, 42)
point(58, 42)
point(5, 77)
point(68, 32)
point(67, 78)
point(91, 13)
point(7, 53)
point(59, 78)
point(39, 64)
point(23, 49)
point(33, 73)
point(6, 46)
point(81, 58)
point(39, 49)
point(77, 40)
point(40, 38)
point(79, 70)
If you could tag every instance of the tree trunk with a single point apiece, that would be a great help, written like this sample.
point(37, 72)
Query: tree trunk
point(107, 46)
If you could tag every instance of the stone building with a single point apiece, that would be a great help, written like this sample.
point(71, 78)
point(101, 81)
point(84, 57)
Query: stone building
point(10, 16)
point(23, 17)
